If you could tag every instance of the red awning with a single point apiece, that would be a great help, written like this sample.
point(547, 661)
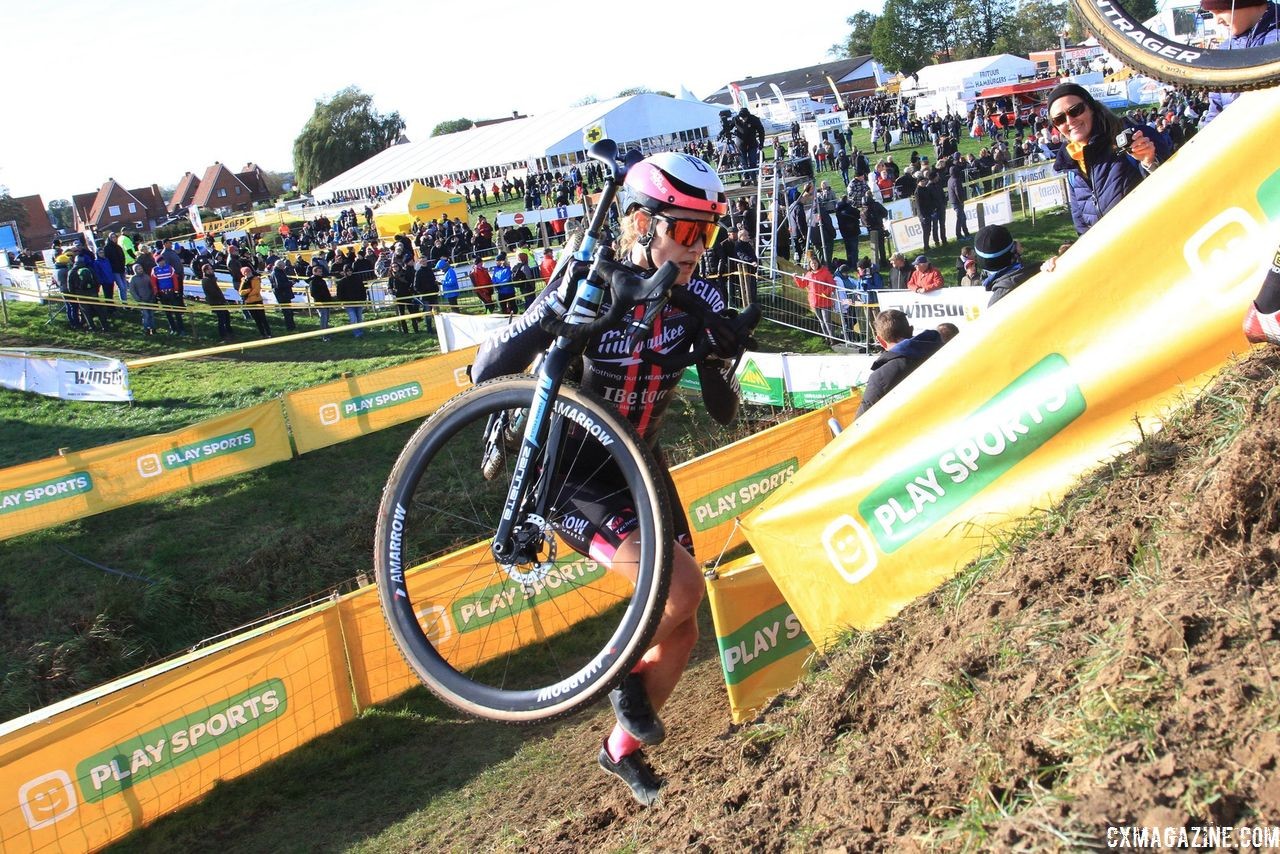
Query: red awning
point(1018, 88)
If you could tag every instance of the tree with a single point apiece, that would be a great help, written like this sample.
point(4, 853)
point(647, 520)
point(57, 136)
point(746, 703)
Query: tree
point(584, 100)
point(642, 90)
point(61, 215)
point(913, 33)
point(893, 39)
point(1036, 25)
point(980, 25)
point(11, 209)
point(858, 41)
point(343, 131)
point(452, 126)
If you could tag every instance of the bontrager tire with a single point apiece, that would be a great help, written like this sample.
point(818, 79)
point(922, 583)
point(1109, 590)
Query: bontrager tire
point(1172, 62)
point(525, 642)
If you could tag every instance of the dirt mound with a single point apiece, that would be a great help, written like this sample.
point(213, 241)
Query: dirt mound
point(1110, 666)
point(1113, 667)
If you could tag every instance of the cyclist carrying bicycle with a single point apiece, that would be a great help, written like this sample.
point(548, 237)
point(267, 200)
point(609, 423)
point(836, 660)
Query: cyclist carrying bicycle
point(671, 204)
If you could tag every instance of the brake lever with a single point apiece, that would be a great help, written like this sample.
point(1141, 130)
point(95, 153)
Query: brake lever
point(653, 292)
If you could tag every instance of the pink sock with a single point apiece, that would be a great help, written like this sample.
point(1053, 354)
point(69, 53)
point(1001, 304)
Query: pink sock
point(620, 743)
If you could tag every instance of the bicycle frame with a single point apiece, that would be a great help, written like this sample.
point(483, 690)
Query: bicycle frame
point(584, 308)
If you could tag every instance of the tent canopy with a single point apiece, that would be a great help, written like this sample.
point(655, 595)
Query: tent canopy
point(417, 203)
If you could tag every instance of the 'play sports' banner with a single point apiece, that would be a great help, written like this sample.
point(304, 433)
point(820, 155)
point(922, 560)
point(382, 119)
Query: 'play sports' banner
point(1140, 314)
point(763, 647)
point(80, 483)
point(327, 414)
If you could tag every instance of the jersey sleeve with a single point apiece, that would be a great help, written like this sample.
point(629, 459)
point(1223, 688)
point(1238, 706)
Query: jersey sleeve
point(513, 348)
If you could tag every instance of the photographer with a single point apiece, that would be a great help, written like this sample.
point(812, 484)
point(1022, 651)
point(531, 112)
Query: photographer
point(1103, 157)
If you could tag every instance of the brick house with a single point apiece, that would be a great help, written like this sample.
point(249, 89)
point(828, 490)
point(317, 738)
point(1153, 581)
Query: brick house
point(185, 193)
point(222, 188)
point(113, 206)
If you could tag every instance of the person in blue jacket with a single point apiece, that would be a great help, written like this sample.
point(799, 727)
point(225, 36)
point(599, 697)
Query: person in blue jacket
point(448, 284)
point(502, 284)
point(1099, 174)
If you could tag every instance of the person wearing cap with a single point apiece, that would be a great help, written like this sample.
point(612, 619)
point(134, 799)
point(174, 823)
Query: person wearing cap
point(1098, 173)
point(449, 283)
point(998, 256)
point(506, 291)
point(482, 283)
point(547, 265)
point(925, 277)
point(282, 288)
point(1249, 23)
point(522, 277)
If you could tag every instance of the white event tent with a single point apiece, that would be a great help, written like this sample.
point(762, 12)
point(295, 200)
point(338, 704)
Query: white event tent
point(952, 86)
point(548, 141)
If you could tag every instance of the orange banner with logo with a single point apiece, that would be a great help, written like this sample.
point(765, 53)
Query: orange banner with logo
point(1061, 375)
point(80, 483)
point(324, 415)
point(719, 487)
point(763, 647)
point(85, 772)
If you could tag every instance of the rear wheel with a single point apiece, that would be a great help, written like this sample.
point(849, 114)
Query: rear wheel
point(1171, 62)
point(539, 634)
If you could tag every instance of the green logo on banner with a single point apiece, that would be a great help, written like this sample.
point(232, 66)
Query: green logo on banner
point(1006, 430)
point(205, 449)
point(115, 769)
point(689, 379)
point(818, 398)
point(758, 388)
point(768, 638)
point(32, 495)
point(732, 499)
point(1269, 195)
point(366, 403)
point(498, 602)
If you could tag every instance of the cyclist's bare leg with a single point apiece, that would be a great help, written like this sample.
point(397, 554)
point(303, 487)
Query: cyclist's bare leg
point(673, 642)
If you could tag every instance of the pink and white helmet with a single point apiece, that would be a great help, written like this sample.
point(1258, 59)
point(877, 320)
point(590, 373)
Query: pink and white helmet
point(671, 180)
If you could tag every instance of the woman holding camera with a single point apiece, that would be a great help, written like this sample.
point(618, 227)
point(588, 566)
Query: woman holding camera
point(1103, 157)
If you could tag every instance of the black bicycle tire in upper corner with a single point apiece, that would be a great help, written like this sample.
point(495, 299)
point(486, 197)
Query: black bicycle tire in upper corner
point(1175, 63)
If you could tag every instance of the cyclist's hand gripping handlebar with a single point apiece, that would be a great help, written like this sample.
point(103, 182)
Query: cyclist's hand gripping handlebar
point(629, 289)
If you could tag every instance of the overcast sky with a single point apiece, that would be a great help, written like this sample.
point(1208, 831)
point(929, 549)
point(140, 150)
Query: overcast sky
point(144, 90)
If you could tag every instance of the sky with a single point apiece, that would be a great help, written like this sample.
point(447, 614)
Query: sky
point(145, 90)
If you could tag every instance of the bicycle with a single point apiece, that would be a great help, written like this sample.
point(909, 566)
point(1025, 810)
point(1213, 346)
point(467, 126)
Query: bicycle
point(507, 628)
point(1175, 63)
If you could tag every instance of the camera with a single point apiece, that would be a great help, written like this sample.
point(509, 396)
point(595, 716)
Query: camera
point(1124, 139)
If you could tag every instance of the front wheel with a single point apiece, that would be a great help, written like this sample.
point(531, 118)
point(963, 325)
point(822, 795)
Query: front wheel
point(538, 634)
point(1171, 62)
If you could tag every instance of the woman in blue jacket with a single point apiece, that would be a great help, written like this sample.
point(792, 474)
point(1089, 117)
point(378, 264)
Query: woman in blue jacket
point(1098, 173)
point(449, 283)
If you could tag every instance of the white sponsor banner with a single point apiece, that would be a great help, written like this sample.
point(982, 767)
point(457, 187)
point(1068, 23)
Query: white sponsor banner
point(457, 331)
point(837, 119)
point(87, 377)
point(815, 380)
point(21, 285)
point(542, 215)
point(1042, 195)
point(996, 210)
point(960, 306)
point(908, 235)
point(899, 209)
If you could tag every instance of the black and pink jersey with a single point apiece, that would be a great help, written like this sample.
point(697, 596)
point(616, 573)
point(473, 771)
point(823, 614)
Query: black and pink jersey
point(639, 389)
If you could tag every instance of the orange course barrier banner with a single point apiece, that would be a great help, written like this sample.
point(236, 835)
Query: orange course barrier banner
point(85, 772)
point(719, 487)
point(334, 412)
point(763, 646)
point(59, 489)
point(1008, 416)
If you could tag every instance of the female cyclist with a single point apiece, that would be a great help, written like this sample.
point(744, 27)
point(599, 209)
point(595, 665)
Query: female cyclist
point(671, 204)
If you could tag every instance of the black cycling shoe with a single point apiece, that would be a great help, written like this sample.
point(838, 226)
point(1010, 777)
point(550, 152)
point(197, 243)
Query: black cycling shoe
point(633, 769)
point(634, 712)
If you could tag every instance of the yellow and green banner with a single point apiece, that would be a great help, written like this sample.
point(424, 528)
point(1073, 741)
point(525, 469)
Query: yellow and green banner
point(1063, 374)
point(334, 412)
point(80, 483)
point(763, 647)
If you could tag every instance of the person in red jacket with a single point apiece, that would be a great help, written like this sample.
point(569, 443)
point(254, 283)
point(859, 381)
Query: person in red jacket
point(925, 277)
point(482, 284)
point(547, 265)
point(821, 287)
